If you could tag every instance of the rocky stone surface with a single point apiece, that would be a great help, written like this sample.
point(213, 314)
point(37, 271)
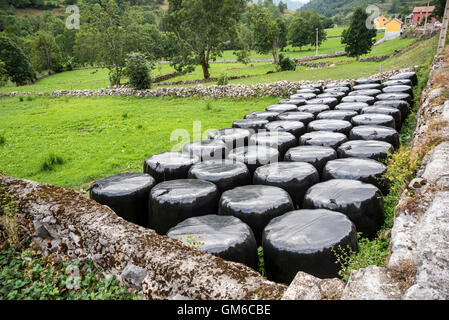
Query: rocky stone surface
point(307, 287)
point(82, 229)
point(371, 284)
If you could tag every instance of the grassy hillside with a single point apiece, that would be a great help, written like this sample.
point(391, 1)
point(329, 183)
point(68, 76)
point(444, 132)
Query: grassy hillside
point(344, 8)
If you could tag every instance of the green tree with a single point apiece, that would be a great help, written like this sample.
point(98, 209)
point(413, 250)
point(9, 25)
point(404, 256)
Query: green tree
point(297, 32)
point(105, 24)
point(358, 39)
point(44, 52)
point(302, 29)
point(439, 8)
point(138, 71)
point(200, 28)
point(3, 74)
point(267, 32)
point(17, 63)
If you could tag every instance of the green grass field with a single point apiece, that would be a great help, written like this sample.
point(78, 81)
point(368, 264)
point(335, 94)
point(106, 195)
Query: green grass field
point(96, 137)
point(70, 142)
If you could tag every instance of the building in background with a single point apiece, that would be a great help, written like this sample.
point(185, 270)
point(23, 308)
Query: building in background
point(393, 29)
point(420, 14)
point(380, 22)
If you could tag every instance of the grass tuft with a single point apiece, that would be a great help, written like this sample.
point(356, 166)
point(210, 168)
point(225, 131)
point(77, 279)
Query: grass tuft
point(51, 161)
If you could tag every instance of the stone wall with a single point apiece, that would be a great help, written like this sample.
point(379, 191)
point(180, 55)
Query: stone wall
point(418, 266)
point(275, 89)
point(66, 223)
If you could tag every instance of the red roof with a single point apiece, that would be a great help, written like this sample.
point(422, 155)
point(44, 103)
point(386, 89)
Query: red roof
point(423, 9)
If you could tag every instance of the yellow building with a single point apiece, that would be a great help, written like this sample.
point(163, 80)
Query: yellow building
point(380, 22)
point(393, 29)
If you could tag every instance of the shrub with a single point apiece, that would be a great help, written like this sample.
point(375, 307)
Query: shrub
point(138, 71)
point(27, 274)
point(223, 80)
point(286, 64)
point(2, 140)
point(113, 77)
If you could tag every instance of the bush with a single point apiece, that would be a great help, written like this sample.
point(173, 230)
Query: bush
point(286, 64)
point(223, 80)
point(27, 274)
point(113, 77)
point(138, 71)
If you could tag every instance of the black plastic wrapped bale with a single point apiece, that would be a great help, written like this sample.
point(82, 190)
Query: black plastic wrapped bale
point(126, 194)
point(360, 202)
point(374, 119)
point(395, 113)
point(378, 133)
point(303, 96)
point(282, 141)
point(367, 81)
point(296, 128)
point(254, 125)
point(262, 115)
point(406, 76)
point(401, 105)
point(174, 201)
point(352, 106)
point(254, 156)
point(296, 102)
point(335, 94)
point(225, 174)
point(294, 177)
point(366, 99)
point(338, 84)
point(337, 89)
point(365, 170)
point(232, 137)
point(367, 92)
point(395, 96)
point(312, 85)
point(306, 240)
point(331, 102)
point(315, 155)
point(255, 205)
point(309, 90)
point(340, 126)
point(406, 82)
point(223, 236)
point(323, 138)
point(169, 165)
point(399, 89)
point(337, 115)
point(368, 86)
point(280, 108)
point(369, 149)
point(304, 117)
point(207, 149)
point(314, 109)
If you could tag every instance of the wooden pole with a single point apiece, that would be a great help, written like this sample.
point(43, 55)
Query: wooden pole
point(443, 32)
point(425, 22)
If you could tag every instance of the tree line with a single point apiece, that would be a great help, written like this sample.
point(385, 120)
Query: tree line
point(123, 34)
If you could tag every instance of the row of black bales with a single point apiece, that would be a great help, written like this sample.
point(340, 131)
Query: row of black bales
point(300, 179)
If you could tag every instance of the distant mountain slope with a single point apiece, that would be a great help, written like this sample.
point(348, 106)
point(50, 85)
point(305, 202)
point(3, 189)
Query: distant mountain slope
point(332, 8)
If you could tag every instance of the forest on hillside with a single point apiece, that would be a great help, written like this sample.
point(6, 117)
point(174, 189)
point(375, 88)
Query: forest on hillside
point(340, 9)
